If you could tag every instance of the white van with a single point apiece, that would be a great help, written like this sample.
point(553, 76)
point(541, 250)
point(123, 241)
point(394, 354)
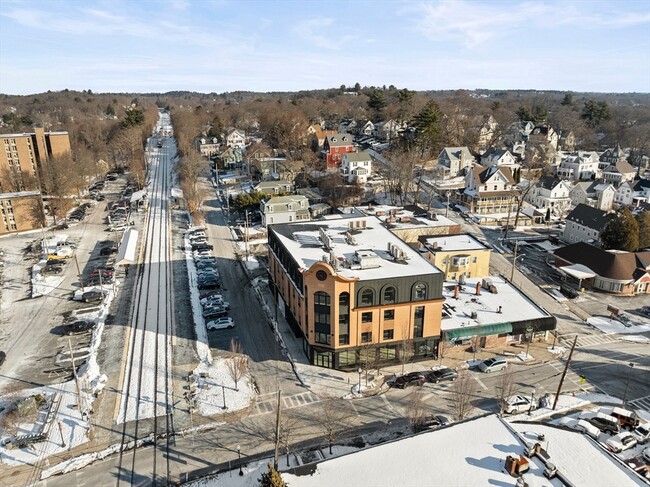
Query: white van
point(493, 364)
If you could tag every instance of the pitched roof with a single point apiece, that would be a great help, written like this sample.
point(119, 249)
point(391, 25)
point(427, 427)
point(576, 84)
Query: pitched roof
point(548, 182)
point(621, 166)
point(455, 153)
point(589, 217)
point(339, 140)
point(358, 156)
point(482, 174)
point(616, 265)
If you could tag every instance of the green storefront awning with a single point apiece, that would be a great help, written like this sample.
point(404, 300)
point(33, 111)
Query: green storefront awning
point(481, 330)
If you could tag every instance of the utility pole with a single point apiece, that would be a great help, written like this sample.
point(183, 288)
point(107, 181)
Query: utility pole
point(81, 279)
point(246, 234)
point(566, 367)
point(76, 380)
point(277, 432)
point(514, 261)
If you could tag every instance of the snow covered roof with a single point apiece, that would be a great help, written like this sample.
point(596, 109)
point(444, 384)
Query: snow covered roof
point(470, 453)
point(469, 310)
point(128, 247)
point(20, 194)
point(347, 238)
point(406, 217)
point(138, 195)
point(452, 243)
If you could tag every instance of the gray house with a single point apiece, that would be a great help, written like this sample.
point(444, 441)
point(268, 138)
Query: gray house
point(285, 209)
point(585, 224)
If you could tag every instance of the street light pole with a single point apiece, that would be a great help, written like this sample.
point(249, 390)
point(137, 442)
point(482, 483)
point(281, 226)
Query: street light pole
point(359, 370)
point(241, 472)
point(532, 401)
point(627, 382)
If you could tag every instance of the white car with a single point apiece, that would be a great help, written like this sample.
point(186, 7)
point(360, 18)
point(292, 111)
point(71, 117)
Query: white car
point(642, 433)
point(621, 441)
point(212, 298)
point(220, 323)
point(646, 454)
point(580, 425)
point(518, 404)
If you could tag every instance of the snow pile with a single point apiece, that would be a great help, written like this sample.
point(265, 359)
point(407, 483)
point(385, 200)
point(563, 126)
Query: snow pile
point(566, 402)
point(202, 343)
point(216, 385)
point(525, 357)
point(557, 350)
point(635, 338)
point(252, 263)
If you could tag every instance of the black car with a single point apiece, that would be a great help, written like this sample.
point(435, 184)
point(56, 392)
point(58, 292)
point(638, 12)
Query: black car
point(203, 246)
point(435, 421)
point(207, 285)
point(410, 379)
point(212, 315)
point(442, 375)
point(78, 327)
point(51, 269)
point(108, 250)
point(92, 297)
point(55, 262)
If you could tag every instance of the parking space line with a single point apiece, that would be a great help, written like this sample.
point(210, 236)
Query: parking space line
point(480, 382)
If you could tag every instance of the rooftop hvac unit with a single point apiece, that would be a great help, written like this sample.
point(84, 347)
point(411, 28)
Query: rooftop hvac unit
point(334, 261)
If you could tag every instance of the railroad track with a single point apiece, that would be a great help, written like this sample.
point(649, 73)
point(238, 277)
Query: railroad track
point(146, 407)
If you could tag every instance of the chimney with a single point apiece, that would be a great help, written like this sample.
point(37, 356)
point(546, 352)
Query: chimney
point(478, 288)
point(455, 292)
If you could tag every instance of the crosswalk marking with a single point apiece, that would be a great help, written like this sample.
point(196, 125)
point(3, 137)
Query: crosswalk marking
point(641, 403)
point(266, 403)
point(590, 340)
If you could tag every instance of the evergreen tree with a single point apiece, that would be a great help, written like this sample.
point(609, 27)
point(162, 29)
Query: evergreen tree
point(567, 100)
point(643, 220)
point(377, 101)
point(271, 478)
point(427, 123)
point(621, 233)
point(594, 113)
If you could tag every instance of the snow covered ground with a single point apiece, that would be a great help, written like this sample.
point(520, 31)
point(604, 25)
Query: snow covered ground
point(217, 386)
point(566, 402)
point(607, 325)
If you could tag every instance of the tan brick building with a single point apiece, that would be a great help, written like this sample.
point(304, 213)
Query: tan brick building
point(23, 160)
point(458, 256)
point(351, 289)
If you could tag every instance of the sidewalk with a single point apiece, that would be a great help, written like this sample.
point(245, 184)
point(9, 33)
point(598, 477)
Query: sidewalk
point(330, 382)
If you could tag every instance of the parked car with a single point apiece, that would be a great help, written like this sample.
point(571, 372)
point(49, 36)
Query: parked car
point(51, 269)
point(213, 315)
point(221, 323)
point(92, 297)
point(493, 364)
point(624, 318)
point(580, 425)
point(106, 274)
point(620, 442)
point(436, 420)
point(78, 327)
point(627, 419)
point(203, 246)
point(603, 422)
point(53, 261)
point(410, 379)
point(216, 302)
point(642, 433)
point(206, 294)
point(646, 454)
point(442, 375)
point(645, 310)
point(108, 250)
point(518, 404)
point(3, 357)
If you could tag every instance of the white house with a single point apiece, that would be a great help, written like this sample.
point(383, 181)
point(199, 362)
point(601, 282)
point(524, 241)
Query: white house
point(499, 157)
point(454, 161)
point(367, 128)
point(285, 209)
point(595, 194)
point(356, 167)
point(236, 138)
point(387, 130)
point(619, 172)
point(550, 192)
point(579, 166)
point(632, 193)
point(207, 146)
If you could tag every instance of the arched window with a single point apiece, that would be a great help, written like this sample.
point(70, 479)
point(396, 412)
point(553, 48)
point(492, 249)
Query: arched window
point(367, 297)
point(419, 292)
point(389, 295)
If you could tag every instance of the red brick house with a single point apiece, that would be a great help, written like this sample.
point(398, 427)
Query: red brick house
point(335, 146)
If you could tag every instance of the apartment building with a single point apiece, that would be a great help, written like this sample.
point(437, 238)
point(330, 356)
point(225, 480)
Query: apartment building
point(354, 292)
point(458, 256)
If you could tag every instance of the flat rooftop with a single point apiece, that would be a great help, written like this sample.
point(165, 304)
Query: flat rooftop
point(452, 243)
point(515, 306)
point(405, 218)
point(361, 247)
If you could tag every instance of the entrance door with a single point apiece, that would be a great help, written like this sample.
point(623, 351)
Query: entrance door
point(323, 359)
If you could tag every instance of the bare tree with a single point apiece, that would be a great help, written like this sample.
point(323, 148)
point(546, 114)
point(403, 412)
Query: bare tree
point(505, 388)
point(406, 351)
point(238, 363)
point(289, 427)
point(416, 409)
point(333, 419)
point(462, 392)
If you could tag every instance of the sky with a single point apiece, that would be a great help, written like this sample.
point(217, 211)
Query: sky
point(265, 45)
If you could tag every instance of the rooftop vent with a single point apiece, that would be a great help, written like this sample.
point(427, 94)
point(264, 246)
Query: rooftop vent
point(367, 259)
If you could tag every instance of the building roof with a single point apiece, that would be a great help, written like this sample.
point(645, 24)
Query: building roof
point(620, 166)
point(589, 217)
point(272, 184)
point(20, 194)
point(471, 453)
point(451, 243)
point(615, 265)
point(29, 134)
point(548, 182)
point(349, 240)
point(470, 311)
point(455, 153)
point(339, 140)
point(358, 156)
point(407, 217)
point(482, 174)
point(285, 200)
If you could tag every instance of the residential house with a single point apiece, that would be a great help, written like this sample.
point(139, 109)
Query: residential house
point(593, 193)
point(335, 146)
point(284, 209)
point(633, 193)
point(367, 129)
point(454, 161)
point(612, 271)
point(544, 135)
point(486, 132)
point(458, 256)
point(207, 146)
point(236, 138)
point(550, 192)
point(585, 224)
point(272, 188)
point(348, 127)
point(612, 156)
point(579, 166)
point(356, 167)
point(316, 131)
point(352, 291)
point(519, 131)
point(618, 173)
point(387, 131)
point(231, 157)
point(499, 157)
point(490, 190)
point(567, 140)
